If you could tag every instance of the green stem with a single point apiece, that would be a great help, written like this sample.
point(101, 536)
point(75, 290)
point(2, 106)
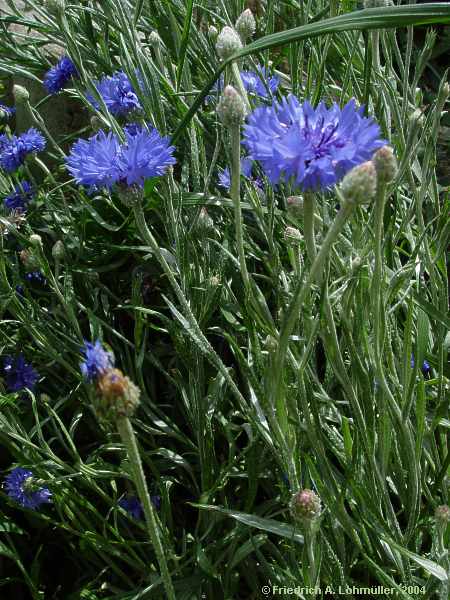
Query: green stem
point(240, 86)
point(236, 197)
point(129, 439)
point(300, 294)
point(309, 206)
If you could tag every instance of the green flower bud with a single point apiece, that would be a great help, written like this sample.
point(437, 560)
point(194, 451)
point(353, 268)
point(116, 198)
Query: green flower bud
point(305, 506)
point(228, 42)
point(58, 250)
point(29, 260)
point(246, 25)
point(36, 240)
point(231, 107)
point(21, 95)
point(295, 206)
point(385, 164)
point(360, 184)
point(442, 514)
point(292, 236)
point(154, 39)
point(117, 395)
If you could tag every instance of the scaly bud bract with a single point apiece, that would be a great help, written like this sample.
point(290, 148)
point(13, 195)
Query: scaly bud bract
point(246, 25)
point(228, 42)
point(231, 107)
point(360, 184)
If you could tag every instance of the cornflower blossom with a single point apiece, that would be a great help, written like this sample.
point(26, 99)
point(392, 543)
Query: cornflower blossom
point(133, 505)
point(102, 161)
point(96, 360)
point(225, 176)
point(35, 276)
point(19, 199)
point(314, 147)
point(58, 76)
point(19, 374)
point(118, 94)
point(20, 487)
point(256, 83)
point(14, 149)
point(6, 112)
point(425, 366)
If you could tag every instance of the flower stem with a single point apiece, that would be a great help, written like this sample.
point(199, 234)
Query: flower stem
point(129, 439)
point(299, 296)
point(236, 197)
point(309, 206)
point(240, 86)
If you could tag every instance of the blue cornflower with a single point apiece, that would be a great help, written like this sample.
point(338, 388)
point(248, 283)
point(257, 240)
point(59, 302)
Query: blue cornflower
point(14, 149)
point(94, 162)
point(6, 112)
point(260, 83)
point(58, 76)
point(118, 94)
point(425, 366)
point(19, 374)
point(145, 154)
point(246, 171)
point(19, 199)
point(315, 147)
point(133, 505)
point(101, 161)
point(35, 276)
point(97, 360)
point(20, 487)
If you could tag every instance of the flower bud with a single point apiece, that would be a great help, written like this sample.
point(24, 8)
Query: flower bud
point(360, 184)
point(21, 95)
point(117, 395)
point(130, 195)
point(29, 260)
point(228, 42)
point(231, 107)
point(204, 222)
point(385, 164)
point(442, 514)
point(292, 236)
point(305, 506)
point(213, 32)
point(58, 250)
point(295, 206)
point(246, 25)
point(36, 240)
point(154, 39)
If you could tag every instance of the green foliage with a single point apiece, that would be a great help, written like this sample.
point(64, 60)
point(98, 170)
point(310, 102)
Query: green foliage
point(223, 457)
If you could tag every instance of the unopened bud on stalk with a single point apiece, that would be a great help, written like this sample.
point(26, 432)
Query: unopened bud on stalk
point(292, 236)
point(130, 195)
point(29, 260)
point(228, 42)
point(58, 250)
point(231, 107)
point(442, 514)
point(417, 118)
point(21, 95)
point(36, 240)
point(204, 223)
point(154, 39)
point(295, 206)
point(360, 184)
point(246, 25)
point(213, 32)
point(385, 164)
point(305, 506)
point(117, 395)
